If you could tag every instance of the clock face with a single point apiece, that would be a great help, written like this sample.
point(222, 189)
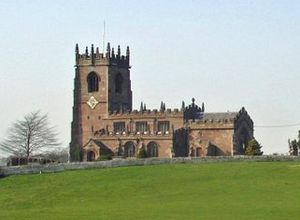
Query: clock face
point(92, 102)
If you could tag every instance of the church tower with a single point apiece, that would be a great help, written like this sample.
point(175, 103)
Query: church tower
point(101, 85)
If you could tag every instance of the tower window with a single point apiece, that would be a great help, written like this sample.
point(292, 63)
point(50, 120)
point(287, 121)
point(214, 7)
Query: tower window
point(93, 82)
point(118, 83)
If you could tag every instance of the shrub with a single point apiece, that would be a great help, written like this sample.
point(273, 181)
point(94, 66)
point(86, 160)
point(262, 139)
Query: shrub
point(253, 148)
point(141, 153)
point(104, 157)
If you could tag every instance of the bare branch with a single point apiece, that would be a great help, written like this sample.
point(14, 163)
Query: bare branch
point(30, 135)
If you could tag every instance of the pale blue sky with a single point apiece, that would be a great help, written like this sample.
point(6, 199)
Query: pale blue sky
point(227, 54)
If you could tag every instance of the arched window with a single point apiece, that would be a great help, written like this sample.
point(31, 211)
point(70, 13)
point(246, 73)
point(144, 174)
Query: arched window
point(129, 149)
point(152, 149)
point(93, 82)
point(118, 83)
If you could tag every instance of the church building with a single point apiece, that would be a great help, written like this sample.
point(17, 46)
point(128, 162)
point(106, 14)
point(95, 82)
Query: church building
point(105, 125)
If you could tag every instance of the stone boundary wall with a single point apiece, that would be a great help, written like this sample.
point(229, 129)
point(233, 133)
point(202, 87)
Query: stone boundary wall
point(58, 167)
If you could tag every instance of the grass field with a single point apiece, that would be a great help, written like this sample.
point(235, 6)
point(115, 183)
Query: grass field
point(229, 190)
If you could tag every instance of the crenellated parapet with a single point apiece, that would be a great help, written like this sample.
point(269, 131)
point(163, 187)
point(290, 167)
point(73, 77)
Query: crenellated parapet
point(126, 134)
point(93, 57)
point(211, 124)
point(146, 113)
point(217, 120)
point(211, 121)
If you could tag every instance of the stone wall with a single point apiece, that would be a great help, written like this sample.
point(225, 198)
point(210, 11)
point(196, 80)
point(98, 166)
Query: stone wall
point(220, 139)
point(51, 168)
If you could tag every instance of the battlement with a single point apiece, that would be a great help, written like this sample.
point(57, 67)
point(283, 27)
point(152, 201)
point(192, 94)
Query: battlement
point(95, 58)
point(217, 120)
point(147, 113)
point(212, 121)
point(135, 134)
point(208, 124)
point(190, 112)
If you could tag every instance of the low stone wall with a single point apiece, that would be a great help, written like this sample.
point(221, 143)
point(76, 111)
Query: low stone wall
point(58, 167)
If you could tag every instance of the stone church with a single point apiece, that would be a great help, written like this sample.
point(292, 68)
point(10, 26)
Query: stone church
point(105, 125)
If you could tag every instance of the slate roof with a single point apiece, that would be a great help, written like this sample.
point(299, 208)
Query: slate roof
point(215, 116)
point(103, 148)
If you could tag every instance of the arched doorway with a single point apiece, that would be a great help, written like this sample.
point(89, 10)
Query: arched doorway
point(152, 149)
point(199, 152)
point(129, 149)
point(91, 156)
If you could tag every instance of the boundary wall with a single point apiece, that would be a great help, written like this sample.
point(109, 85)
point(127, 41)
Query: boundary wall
point(59, 167)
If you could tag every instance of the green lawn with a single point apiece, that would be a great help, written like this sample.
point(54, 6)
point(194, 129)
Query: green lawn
point(229, 190)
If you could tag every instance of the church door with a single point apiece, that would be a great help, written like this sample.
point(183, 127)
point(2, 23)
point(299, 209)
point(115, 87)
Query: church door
point(91, 156)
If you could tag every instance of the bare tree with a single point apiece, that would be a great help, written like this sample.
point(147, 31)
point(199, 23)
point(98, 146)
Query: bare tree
point(60, 155)
point(30, 135)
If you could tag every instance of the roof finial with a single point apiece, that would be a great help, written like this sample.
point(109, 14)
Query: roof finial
point(108, 50)
point(76, 49)
point(113, 53)
point(127, 52)
point(86, 52)
point(92, 53)
point(119, 52)
point(141, 107)
point(182, 106)
point(127, 55)
point(162, 107)
point(92, 48)
point(76, 54)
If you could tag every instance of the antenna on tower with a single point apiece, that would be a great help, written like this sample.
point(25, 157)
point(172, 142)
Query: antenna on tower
point(103, 36)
